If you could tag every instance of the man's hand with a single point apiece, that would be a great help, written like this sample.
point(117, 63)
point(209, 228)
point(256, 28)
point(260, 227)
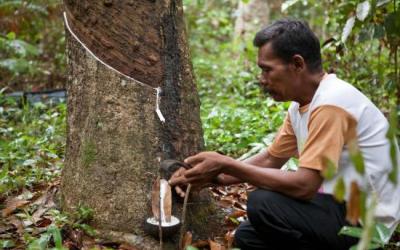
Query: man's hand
point(180, 182)
point(206, 167)
point(178, 175)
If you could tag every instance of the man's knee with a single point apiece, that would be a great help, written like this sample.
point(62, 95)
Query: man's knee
point(261, 201)
point(247, 238)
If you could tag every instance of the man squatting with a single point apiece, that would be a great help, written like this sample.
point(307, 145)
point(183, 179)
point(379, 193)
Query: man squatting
point(326, 119)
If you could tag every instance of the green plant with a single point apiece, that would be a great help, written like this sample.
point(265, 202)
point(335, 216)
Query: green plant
point(378, 237)
point(44, 240)
point(32, 142)
point(61, 223)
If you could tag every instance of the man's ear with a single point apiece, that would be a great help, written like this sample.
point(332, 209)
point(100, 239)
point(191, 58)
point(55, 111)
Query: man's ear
point(298, 63)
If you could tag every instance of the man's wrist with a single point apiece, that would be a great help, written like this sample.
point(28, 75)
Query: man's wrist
point(226, 164)
point(218, 180)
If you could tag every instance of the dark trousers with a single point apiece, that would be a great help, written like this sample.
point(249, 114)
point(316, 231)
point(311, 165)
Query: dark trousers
point(278, 222)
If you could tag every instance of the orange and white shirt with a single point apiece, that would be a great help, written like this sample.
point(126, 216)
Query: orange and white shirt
point(323, 130)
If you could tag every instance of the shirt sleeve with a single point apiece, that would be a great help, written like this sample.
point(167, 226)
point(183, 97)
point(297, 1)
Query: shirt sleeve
point(329, 129)
point(285, 143)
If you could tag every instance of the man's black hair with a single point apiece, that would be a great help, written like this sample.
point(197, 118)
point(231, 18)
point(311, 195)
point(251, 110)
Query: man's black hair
point(290, 37)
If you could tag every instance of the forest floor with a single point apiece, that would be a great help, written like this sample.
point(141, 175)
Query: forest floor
point(31, 219)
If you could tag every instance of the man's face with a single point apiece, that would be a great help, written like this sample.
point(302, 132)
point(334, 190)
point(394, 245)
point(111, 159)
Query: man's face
point(277, 77)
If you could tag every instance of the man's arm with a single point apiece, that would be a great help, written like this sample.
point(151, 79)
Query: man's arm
point(262, 159)
point(284, 146)
point(330, 128)
point(302, 184)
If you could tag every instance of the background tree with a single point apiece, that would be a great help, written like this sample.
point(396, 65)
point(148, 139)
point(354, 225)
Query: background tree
point(251, 15)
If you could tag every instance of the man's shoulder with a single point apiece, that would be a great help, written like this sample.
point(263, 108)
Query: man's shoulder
point(341, 94)
point(333, 88)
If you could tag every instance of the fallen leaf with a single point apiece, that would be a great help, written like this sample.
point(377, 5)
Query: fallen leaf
point(4, 228)
point(219, 190)
point(36, 231)
point(229, 238)
point(234, 190)
point(353, 205)
point(38, 214)
point(75, 236)
point(228, 198)
point(43, 222)
point(50, 200)
point(41, 200)
point(200, 243)
point(69, 245)
point(12, 205)
point(224, 203)
point(214, 245)
point(237, 213)
point(17, 224)
point(250, 188)
point(88, 242)
point(243, 196)
point(240, 205)
point(125, 246)
point(7, 235)
point(26, 223)
point(94, 247)
point(47, 198)
point(186, 240)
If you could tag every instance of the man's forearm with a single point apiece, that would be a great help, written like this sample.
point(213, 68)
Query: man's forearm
point(262, 159)
point(225, 180)
point(294, 184)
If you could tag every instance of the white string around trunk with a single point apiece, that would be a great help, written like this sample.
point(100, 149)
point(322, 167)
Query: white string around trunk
point(158, 89)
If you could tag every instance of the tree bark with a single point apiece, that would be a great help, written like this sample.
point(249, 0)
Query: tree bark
point(114, 137)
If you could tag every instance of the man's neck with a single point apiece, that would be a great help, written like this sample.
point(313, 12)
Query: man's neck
point(306, 93)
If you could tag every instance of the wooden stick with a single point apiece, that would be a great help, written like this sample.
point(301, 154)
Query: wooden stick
point(185, 201)
point(160, 221)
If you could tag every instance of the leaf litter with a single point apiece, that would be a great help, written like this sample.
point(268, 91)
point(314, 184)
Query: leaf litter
point(34, 212)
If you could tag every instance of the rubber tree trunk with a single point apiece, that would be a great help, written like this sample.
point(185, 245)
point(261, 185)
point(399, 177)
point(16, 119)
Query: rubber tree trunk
point(114, 137)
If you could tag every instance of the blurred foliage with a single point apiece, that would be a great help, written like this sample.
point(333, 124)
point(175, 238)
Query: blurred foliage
point(233, 111)
point(360, 40)
point(31, 45)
